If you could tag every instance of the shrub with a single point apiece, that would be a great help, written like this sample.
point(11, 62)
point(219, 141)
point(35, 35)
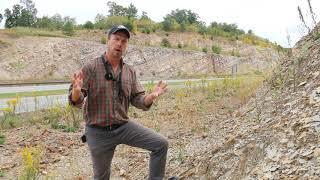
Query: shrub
point(235, 53)
point(31, 158)
point(179, 45)
point(103, 40)
point(205, 50)
point(216, 49)
point(146, 30)
point(165, 43)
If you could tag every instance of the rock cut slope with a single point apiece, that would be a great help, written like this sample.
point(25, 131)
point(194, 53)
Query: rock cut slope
point(276, 135)
point(30, 58)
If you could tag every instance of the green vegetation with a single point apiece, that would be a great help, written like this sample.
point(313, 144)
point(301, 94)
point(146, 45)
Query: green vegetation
point(216, 49)
point(2, 139)
point(31, 94)
point(235, 52)
point(29, 31)
point(68, 29)
point(31, 157)
point(205, 50)
point(165, 43)
point(88, 25)
point(103, 40)
point(24, 14)
point(317, 36)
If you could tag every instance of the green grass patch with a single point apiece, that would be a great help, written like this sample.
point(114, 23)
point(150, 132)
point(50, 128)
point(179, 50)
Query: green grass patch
point(65, 128)
point(2, 139)
point(33, 94)
point(1, 173)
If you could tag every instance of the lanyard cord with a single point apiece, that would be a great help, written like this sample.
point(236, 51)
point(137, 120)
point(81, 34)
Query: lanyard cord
point(109, 76)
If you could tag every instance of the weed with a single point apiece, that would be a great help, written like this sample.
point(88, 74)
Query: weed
point(216, 49)
point(103, 40)
point(2, 139)
point(205, 50)
point(149, 86)
point(165, 43)
point(31, 158)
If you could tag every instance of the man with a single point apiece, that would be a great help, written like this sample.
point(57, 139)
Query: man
point(104, 87)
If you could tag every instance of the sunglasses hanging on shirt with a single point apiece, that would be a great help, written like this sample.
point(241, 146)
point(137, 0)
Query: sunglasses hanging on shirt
point(108, 76)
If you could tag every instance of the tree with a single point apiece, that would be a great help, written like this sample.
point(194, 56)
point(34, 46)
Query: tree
point(99, 21)
point(115, 9)
point(57, 21)
point(68, 28)
point(12, 17)
point(99, 17)
point(131, 11)
point(28, 13)
point(169, 24)
point(118, 10)
point(184, 16)
point(23, 14)
point(144, 16)
point(1, 17)
point(88, 25)
point(44, 22)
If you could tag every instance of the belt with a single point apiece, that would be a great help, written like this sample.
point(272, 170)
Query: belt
point(106, 128)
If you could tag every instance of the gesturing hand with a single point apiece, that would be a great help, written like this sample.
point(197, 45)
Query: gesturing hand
point(77, 82)
point(159, 89)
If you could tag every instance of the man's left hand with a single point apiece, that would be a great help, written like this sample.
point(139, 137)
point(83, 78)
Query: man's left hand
point(159, 89)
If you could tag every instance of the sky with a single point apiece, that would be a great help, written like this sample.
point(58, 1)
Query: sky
point(275, 20)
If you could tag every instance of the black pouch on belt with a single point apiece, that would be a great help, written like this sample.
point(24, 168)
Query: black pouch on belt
point(84, 138)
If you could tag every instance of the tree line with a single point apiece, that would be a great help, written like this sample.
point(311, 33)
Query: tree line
point(181, 20)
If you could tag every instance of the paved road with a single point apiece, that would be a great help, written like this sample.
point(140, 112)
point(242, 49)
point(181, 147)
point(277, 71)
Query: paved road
point(42, 87)
point(28, 104)
point(30, 88)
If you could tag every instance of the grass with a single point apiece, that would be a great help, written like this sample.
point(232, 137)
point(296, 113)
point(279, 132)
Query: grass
point(25, 31)
point(2, 139)
point(67, 118)
point(4, 43)
point(65, 128)
point(148, 86)
point(34, 93)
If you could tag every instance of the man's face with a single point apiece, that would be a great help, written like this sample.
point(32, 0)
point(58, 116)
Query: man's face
point(117, 44)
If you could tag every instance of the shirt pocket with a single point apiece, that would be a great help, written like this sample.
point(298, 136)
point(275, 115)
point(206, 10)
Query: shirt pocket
point(126, 88)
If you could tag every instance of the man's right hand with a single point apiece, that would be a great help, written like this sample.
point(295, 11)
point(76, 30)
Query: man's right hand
point(77, 82)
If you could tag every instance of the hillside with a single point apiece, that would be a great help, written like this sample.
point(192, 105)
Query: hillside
point(56, 58)
point(276, 134)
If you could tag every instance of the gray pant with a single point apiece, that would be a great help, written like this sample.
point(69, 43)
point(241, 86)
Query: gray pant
point(102, 144)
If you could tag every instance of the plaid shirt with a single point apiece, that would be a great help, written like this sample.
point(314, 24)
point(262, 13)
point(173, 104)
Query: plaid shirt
point(100, 99)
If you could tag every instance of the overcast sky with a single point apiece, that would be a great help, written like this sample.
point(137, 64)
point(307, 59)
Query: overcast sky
point(271, 19)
